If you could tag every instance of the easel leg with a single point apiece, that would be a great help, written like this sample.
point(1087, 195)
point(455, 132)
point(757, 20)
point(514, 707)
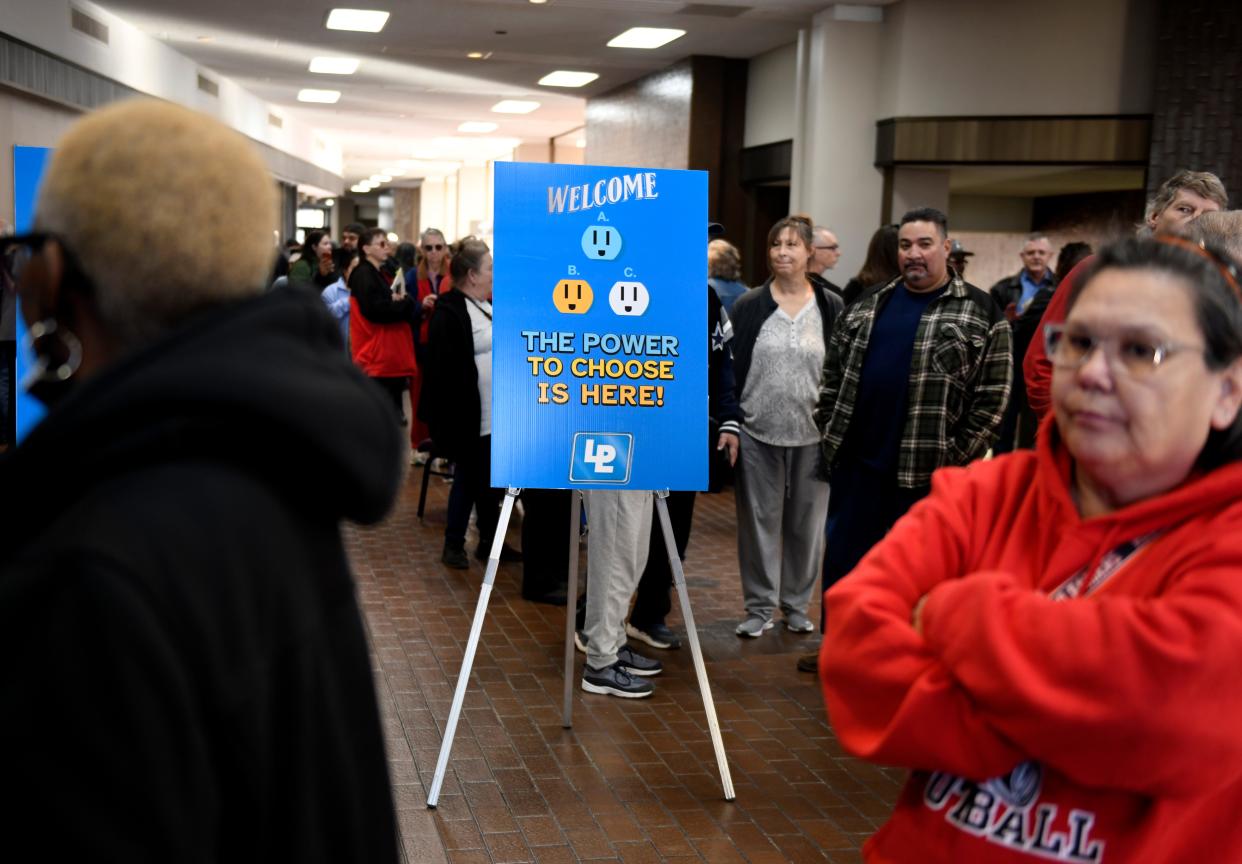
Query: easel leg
point(709, 707)
point(571, 604)
point(472, 645)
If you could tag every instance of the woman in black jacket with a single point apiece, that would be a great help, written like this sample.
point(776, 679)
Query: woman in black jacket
point(456, 401)
point(780, 332)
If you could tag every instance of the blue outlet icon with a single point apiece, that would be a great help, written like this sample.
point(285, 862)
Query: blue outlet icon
point(601, 457)
point(601, 242)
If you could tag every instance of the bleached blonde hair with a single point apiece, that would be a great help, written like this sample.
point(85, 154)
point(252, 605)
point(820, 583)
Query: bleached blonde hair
point(167, 210)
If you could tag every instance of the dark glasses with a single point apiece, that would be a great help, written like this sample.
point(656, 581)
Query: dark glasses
point(432, 247)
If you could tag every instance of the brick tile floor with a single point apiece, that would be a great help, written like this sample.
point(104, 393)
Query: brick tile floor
point(632, 781)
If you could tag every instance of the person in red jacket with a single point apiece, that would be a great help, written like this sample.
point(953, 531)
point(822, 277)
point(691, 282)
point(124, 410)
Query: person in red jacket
point(1178, 202)
point(381, 338)
point(1050, 639)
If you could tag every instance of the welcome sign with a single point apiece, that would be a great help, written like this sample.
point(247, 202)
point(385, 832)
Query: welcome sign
point(599, 376)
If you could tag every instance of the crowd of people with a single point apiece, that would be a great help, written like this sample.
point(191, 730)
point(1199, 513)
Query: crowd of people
point(1046, 638)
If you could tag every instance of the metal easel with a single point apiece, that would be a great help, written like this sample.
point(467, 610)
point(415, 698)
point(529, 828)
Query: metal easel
point(476, 628)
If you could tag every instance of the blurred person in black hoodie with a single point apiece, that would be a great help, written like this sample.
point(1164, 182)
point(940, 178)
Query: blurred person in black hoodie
point(187, 676)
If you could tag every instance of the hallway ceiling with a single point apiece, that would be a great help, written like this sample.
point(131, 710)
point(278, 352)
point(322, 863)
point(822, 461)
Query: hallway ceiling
point(415, 84)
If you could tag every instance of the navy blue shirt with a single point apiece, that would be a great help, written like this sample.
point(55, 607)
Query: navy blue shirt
point(874, 436)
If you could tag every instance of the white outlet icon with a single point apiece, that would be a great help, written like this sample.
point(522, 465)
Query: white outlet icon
point(628, 298)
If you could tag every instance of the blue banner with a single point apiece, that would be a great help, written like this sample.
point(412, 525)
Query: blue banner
point(599, 375)
point(28, 166)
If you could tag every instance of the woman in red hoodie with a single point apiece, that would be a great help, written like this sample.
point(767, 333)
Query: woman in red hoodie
point(1051, 641)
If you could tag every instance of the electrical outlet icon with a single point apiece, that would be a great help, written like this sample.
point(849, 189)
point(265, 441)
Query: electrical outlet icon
point(601, 242)
point(629, 298)
point(572, 296)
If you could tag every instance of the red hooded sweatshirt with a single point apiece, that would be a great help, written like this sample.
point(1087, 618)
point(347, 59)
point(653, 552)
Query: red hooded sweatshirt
point(1105, 727)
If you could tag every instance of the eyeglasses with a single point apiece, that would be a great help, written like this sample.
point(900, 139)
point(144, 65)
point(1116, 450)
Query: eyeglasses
point(833, 248)
point(1070, 347)
point(16, 252)
point(432, 247)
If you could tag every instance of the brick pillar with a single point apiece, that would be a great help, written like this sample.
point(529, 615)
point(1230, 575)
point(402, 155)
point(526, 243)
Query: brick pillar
point(1197, 110)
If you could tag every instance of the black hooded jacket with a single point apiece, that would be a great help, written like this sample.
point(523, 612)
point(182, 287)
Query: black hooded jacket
point(186, 672)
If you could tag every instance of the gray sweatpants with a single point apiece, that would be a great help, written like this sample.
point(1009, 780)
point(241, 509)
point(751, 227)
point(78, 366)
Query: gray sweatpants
point(782, 509)
point(619, 523)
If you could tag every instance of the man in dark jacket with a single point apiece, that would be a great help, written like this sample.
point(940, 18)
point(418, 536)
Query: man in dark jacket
point(186, 672)
point(916, 377)
point(1014, 293)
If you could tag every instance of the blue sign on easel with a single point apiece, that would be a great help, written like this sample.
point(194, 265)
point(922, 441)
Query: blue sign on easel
point(28, 166)
point(599, 363)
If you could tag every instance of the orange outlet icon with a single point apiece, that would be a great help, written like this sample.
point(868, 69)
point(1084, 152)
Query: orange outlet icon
point(573, 296)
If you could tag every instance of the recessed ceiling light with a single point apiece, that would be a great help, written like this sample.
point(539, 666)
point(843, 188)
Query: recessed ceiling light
point(562, 78)
point(479, 55)
point(334, 65)
point(331, 202)
point(328, 97)
point(580, 142)
point(384, 178)
point(206, 38)
point(539, 2)
point(476, 126)
point(359, 20)
point(360, 189)
point(514, 106)
point(645, 37)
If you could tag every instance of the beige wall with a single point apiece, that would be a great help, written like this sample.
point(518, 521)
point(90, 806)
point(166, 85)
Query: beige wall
point(968, 57)
point(26, 122)
point(770, 105)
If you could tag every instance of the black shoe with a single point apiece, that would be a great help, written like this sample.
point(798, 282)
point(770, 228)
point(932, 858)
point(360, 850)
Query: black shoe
point(808, 663)
point(655, 635)
point(555, 597)
point(614, 680)
point(455, 557)
point(637, 664)
point(580, 641)
point(508, 555)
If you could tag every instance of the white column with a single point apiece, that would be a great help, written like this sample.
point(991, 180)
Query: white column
point(835, 180)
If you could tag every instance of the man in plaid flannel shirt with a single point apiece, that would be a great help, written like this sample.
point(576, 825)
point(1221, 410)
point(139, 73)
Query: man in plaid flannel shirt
point(916, 376)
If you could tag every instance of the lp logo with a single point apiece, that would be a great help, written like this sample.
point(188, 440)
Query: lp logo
point(601, 457)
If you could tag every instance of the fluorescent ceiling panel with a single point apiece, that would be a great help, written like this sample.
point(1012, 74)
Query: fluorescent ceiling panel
point(645, 37)
point(358, 20)
point(327, 97)
point(334, 65)
point(563, 78)
point(514, 106)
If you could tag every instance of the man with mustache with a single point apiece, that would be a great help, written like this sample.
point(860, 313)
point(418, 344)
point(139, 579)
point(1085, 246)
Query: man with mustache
point(916, 377)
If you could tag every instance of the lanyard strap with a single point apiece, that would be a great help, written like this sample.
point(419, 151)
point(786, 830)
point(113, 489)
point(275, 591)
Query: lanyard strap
point(1107, 568)
point(475, 304)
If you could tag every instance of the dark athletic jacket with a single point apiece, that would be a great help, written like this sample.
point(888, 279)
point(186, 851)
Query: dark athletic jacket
point(186, 672)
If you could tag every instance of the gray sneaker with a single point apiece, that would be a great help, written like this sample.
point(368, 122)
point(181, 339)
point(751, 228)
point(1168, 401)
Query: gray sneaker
point(796, 622)
point(637, 664)
point(614, 680)
point(754, 626)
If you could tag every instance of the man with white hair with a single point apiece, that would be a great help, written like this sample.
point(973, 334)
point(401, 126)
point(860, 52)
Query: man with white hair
point(1179, 201)
point(187, 676)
